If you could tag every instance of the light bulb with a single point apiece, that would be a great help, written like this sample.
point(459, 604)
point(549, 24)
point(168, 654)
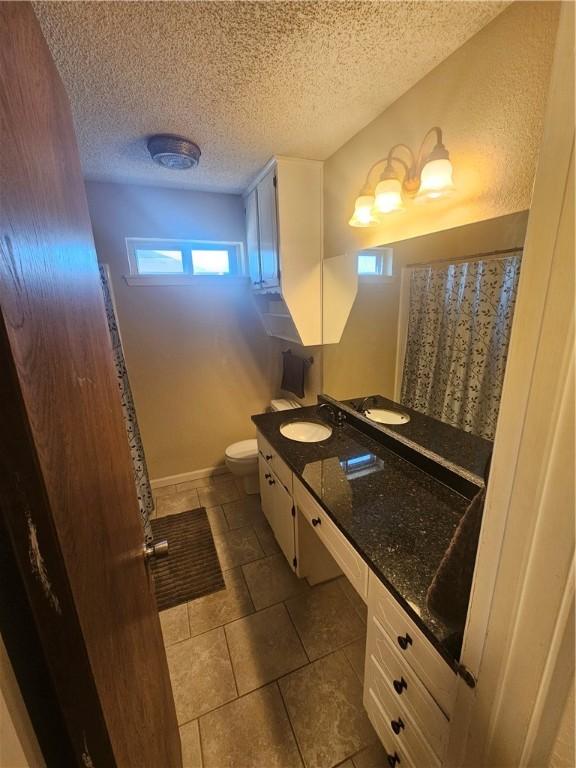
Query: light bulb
point(388, 196)
point(436, 179)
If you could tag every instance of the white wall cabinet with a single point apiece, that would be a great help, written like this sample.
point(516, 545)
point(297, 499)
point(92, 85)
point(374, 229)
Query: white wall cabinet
point(260, 207)
point(253, 238)
point(284, 206)
point(268, 230)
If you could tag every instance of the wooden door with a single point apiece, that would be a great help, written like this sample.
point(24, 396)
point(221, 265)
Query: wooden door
point(268, 228)
point(67, 492)
point(253, 238)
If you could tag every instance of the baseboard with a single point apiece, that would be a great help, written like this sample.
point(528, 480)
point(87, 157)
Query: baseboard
point(159, 482)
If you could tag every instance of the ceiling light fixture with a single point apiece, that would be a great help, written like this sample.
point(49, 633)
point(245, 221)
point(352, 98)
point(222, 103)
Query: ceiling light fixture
point(425, 177)
point(173, 152)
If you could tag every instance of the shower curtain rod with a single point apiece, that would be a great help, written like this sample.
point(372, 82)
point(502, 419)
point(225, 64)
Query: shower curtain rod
point(463, 259)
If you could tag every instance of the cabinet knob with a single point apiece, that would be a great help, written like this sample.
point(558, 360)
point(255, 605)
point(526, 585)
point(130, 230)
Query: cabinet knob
point(397, 725)
point(316, 521)
point(271, 482)
point(268, 457)
point(405, 641)
point(393, 760)
point(400, 685)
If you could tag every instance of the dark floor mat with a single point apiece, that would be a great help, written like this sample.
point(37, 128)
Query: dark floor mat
point(191, 568)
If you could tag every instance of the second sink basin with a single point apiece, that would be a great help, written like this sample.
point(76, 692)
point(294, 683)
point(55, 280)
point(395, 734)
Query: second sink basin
point(384, 416)
point(305, 431)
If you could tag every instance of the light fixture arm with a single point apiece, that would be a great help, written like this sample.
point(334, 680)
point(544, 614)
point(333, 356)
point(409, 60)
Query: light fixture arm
point(409, 168)
point(394, 158)
point(439, 149)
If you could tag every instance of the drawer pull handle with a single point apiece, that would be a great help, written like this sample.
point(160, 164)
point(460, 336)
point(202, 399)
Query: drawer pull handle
point(400, 685)
point(405, 641)
point(316, 521)
point(397, 725)
point(393, 760)
point(267, 475)
point(271, 482)
point(268, 457)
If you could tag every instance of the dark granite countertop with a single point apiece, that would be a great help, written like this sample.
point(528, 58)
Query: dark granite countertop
point(460, 451)
point(399, 518)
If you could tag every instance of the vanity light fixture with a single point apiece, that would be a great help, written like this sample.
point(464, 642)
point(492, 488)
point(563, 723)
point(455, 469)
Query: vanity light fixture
point(424, 177)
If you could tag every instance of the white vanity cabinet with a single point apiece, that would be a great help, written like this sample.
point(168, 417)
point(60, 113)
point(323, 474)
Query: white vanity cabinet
point(409, 689)
point(343, 553)
point(277, 504)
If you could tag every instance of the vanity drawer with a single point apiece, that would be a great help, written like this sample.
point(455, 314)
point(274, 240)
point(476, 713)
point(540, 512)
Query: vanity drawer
point(412, 645)
point(408, 739)
point(381, 723)
point(352, 565)
point(405, 688)
point(282, 471)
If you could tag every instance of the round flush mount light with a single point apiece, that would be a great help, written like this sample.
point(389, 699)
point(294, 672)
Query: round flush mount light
point(173, 152)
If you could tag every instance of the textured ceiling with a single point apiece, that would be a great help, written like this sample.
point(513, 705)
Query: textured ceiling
point(245, 80)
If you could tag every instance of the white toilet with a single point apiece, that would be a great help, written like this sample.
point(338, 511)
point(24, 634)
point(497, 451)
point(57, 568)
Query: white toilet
point(242, 457)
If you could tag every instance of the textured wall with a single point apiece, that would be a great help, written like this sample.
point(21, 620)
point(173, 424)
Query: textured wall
point(489, 98)
point(197, 355)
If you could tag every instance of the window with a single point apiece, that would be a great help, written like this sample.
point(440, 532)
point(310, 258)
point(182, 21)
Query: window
point(152, 262)
point(181, 259)
point(375, 262)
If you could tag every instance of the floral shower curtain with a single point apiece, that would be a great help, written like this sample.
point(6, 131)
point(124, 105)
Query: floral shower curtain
point(143, 490)
point(459, 322)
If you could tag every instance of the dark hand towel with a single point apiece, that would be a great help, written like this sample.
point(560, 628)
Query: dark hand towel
point(293, 373)
point(449, 592)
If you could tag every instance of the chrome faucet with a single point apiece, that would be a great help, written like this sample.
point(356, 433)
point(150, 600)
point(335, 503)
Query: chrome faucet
point(338, 416)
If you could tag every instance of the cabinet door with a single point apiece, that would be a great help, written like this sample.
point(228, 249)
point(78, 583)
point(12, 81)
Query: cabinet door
point(266, 492)
point(268, 230)
point(253, 238)
point(283, 520)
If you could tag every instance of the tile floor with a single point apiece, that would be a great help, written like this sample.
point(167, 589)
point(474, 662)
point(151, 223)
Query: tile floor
point(268, 672)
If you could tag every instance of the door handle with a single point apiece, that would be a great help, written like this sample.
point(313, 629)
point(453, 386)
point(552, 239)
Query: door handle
point(152, 551)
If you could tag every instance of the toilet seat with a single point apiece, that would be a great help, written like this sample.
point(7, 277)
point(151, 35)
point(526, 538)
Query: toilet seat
point(243, 451)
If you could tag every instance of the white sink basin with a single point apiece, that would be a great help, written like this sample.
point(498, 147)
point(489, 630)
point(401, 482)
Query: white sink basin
point(305, 431)
point(384, 416)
